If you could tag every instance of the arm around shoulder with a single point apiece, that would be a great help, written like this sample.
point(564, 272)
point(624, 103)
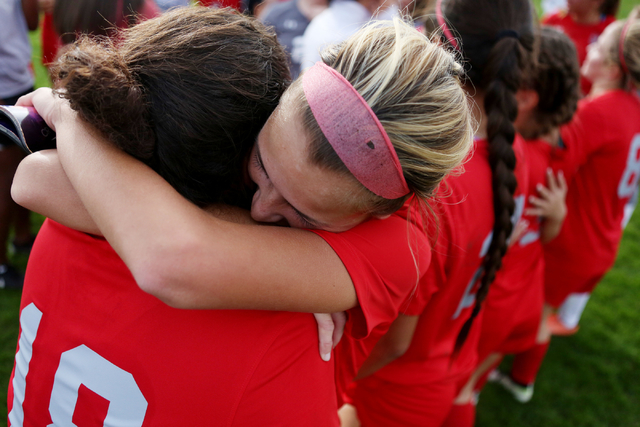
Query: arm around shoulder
point(41, 185)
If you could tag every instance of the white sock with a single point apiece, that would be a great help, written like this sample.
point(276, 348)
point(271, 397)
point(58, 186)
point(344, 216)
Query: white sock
point(571, 309)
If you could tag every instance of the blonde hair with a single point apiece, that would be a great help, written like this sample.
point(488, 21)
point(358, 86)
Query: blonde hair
point(415, 89)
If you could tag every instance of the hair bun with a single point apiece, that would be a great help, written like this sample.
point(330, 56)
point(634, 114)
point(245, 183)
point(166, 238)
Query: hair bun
point(101, 88)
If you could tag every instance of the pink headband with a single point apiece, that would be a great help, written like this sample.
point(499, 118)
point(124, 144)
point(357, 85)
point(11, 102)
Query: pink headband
point(444, 26)
point(354, 131)
point(623, 34)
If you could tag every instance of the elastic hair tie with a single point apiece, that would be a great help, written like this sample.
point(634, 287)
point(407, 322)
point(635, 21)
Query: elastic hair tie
point(443, 24)
point(354, 131)
point(507, 33)
point(623, 35)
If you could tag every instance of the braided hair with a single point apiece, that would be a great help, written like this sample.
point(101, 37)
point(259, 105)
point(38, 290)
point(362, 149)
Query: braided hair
point(496, 39)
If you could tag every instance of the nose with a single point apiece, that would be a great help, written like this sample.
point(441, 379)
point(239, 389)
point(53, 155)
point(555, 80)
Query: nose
point(266, 205)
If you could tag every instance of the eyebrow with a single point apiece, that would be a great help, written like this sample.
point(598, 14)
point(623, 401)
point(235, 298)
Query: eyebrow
point(306, 217)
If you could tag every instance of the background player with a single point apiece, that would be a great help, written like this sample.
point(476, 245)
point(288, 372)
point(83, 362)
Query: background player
point(600, 163)
point(511, 319)
point(583, 21)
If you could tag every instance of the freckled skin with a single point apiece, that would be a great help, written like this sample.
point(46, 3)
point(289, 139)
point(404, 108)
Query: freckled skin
point(290, 181)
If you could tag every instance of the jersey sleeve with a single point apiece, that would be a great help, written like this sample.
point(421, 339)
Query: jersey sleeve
point(385, 259)
point(580, 138)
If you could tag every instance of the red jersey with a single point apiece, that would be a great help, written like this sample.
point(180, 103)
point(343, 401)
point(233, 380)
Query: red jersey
point(385, 259)
point(582, 36)
point(602, 165)
point(513, 307)
point(49, 39)
point(94, 349)
point(465, 224)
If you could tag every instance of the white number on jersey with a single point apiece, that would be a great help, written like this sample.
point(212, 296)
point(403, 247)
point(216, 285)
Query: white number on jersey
point(469, 297)
point(631, 174)
point(78, 366)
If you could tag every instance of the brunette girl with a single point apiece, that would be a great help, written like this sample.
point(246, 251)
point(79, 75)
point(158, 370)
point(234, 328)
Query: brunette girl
point(512, 314)
point(94, 348)
point(601, 165)
point(583, 21)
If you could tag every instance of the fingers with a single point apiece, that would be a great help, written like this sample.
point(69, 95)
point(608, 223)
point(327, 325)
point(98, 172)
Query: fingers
point(25, 100)
point(543, 191)
point(339, 321)
point(534, 212)
point(562, 182)
point(325, 334)
point(551, 180)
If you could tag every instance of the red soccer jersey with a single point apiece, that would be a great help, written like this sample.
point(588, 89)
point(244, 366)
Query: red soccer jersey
point(513, 307)
point(602, 165)
point(466, 219)
point(582, 36)
point(385, 259)
point(95, 349)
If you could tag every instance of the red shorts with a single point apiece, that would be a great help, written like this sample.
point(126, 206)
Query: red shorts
point(559, 285)
point(511, 319)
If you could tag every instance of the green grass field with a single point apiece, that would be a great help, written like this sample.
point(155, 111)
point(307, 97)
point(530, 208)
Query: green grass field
point(590, 379)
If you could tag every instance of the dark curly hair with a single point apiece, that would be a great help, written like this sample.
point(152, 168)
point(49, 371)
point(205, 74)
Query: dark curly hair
point(497, 39)
point(556, 80)
point(186, 93)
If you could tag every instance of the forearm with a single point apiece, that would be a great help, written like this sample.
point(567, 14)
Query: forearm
point(550, 229)
point(391, 346)
point(41, 185)
point(187, 257)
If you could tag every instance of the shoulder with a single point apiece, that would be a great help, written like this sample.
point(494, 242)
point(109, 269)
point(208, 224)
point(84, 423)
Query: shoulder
point(376, 239)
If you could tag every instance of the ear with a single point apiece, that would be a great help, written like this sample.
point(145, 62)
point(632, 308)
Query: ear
point(614, 72)
point(382, 216)
point(527, 100)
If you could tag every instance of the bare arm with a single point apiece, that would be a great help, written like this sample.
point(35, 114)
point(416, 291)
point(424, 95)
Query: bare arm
point(391, 346)
point(181, 254)
point(41, 185)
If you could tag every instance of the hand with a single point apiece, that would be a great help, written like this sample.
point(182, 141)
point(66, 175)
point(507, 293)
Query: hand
point(348, 416)
point(51, 107)
point(551, 203)
point(330, 329)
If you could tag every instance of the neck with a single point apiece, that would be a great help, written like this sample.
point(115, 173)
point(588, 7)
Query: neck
point(586, 18)
point(311, 8)
point(552, 137)
point(602, 87)
point(478, 113)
